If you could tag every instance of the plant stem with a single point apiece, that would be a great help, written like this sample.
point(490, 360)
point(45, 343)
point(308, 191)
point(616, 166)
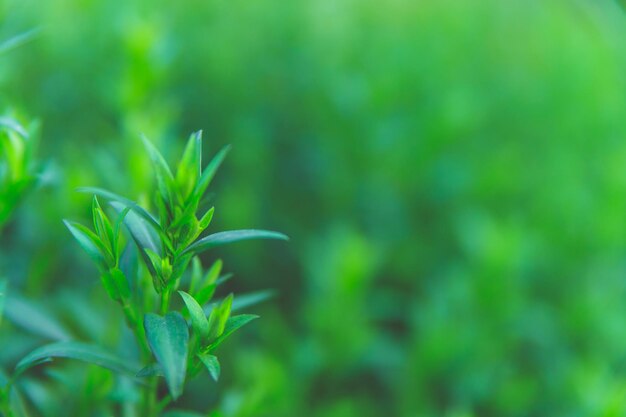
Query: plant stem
point(165, 301)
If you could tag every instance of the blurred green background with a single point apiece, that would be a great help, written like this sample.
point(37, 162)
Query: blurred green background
point(452, 174)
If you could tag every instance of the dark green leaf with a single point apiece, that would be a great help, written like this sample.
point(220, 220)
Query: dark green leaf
point(168, 338)
point(198, 319)
point(231, 236)
point(211, 363)
point(154, 369)
point(75, 350)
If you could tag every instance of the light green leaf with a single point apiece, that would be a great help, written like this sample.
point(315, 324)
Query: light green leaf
point(90, 244)
point(208, 174)
point(222, 238)
point(76, 350)
point(102, 225)
point(125, 202)
point(190, 165)
point(198, 319)
point(234, 323)
point(211, 363)
point(168, 338)
point(219, 316)
point(206, 219)
point(165, 179)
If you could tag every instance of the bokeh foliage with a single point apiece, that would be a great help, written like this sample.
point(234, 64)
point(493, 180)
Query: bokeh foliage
point(452, 175)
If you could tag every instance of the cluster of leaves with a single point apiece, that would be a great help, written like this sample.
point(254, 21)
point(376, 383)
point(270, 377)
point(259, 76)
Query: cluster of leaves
point(17, 170)
point(176, 345)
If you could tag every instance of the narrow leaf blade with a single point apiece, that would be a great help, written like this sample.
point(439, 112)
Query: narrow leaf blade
point(92, 354)
point(223, 238)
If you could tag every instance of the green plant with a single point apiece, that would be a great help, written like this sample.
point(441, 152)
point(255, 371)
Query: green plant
point(17, 170)
point(169, 245)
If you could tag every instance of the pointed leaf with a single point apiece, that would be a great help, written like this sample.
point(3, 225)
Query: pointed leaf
point(165, 179)
point(247, 300)
point(206, 219)
point(142, 231)
point(212, 364)
point(168, 338)
point(190, 165)
point(208, 174)
point(102, 225)
point(222, 238)
point(76, 350)
point(198, 319)
point(90, 243)
point(125, 202)
point(219, 316)
point(234, 323)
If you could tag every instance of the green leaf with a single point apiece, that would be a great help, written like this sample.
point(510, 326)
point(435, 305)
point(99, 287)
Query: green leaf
point(168, 338)
point(211, 363)
point(213, 273)
point(190, 165)
point(34, 318)
point(247, 300)
point(165, 179)
point(18, 40)
point(75, 350)
point(222, 238)
point(204, 295)
point(90, 244)
point(234, 323)
point(102, 225)
point(219, 316)
point(206, 219)
point(154, 369)
point(198, 319)
point(116, 232)
point(208, 174)
point(142, 231)
point(126, 202)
